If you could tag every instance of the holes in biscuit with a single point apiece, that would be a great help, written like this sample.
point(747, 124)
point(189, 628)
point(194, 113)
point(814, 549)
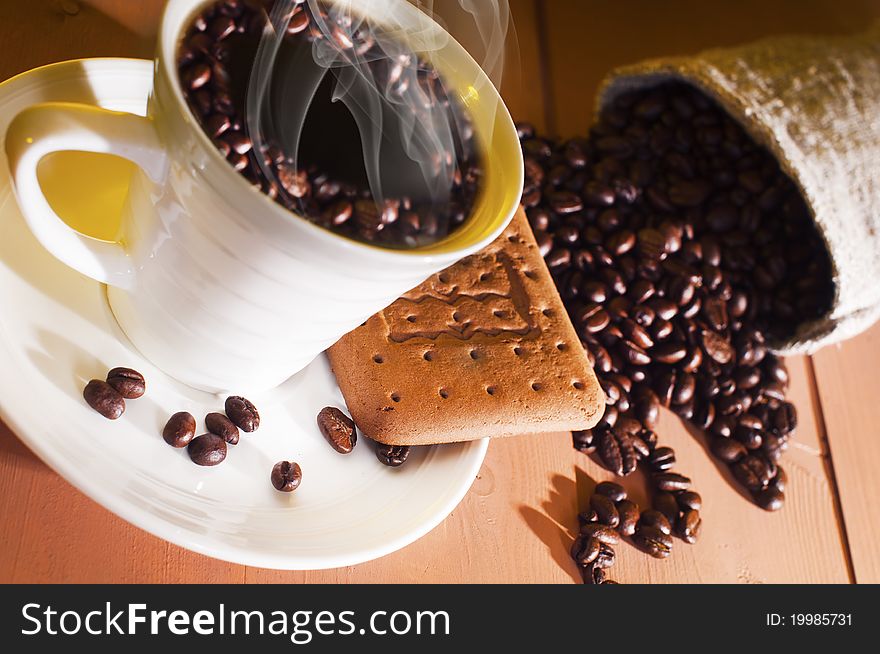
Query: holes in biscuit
point(410, 318)
point(443, 277)
point(485, 276)
point(499, 313)
point(530, 274)
point(474, 354)
point(579, 385)
point(548, 312)
point(456, 316)
point(443, 393)
point(490, 390)
point(395, 397)
point(378, 359)
point(428, 356)
point(517, 350)
point(561, 347)
point(537, 386)
point(513, 238)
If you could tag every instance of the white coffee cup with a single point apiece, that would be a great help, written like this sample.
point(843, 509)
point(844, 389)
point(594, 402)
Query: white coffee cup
point(215, 283)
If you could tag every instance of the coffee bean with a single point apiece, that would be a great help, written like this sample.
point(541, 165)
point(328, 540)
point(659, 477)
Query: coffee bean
point(299, 21)
point(616, 451)
point(615, 492)
point(219, 424)
point(662, 459)
point(651, 243)
point(602, 533)
point(770, 498)
point(652, 541)
point(654, 518)
point(585, 550)
point(207, 450)
point(666, 504)
point(180, 429)
point(689, 500)
point(669, 352)
point(784, 420)
point(634, 354)
point(629, 517)
point(593, 575)
point(286, 476)
point(605, 509)
point(716, 347)
point(671, 481)
point(605, 559)
point(243, 413)
point(683, 392)
point(647, 408)
point(104, 399)
point(751, 472)
point(392, 455)
point(688, 526)
point(338, 429)
point(128, 383)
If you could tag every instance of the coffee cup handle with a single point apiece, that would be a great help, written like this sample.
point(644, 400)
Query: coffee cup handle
point(56, 126)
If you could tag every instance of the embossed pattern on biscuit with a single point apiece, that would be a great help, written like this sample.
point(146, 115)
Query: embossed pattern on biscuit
point(488, 296)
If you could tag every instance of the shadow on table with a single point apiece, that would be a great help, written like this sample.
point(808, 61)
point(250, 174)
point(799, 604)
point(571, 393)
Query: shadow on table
point(555, 523)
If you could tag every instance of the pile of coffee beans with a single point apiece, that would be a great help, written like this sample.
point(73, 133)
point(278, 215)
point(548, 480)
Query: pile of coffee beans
point(679, 248)
point(611, 515)
point(215, 61)
point(108, 396)
point(210, 448)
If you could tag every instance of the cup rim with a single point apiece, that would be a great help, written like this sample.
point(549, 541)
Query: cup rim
point(168, 38)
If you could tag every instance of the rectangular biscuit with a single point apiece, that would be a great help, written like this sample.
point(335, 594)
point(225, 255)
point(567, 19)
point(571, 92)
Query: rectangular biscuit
point(482, 348)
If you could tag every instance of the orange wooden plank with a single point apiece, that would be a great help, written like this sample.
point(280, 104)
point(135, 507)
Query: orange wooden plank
point(849, 388)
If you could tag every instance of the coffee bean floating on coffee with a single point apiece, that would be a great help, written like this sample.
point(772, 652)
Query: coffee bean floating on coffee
point(219, 424)
point(207, 450)
point(104, 399)
point(286, 476)
point(678, 245)
point(129, 383)
point(329, 184)
point(242, 413)
point(338, 429)
point(180, 429)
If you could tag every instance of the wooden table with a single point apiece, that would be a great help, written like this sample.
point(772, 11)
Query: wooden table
point(515, 525)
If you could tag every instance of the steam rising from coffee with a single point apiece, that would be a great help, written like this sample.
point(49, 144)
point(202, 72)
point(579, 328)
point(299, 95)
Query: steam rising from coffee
point(369, 57)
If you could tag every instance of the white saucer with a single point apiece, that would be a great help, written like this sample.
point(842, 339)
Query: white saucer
point(56, 333)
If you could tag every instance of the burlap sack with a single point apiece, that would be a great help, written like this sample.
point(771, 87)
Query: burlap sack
point(815, 103)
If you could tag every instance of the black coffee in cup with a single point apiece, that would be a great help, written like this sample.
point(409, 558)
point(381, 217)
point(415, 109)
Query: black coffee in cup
point(332, 118)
